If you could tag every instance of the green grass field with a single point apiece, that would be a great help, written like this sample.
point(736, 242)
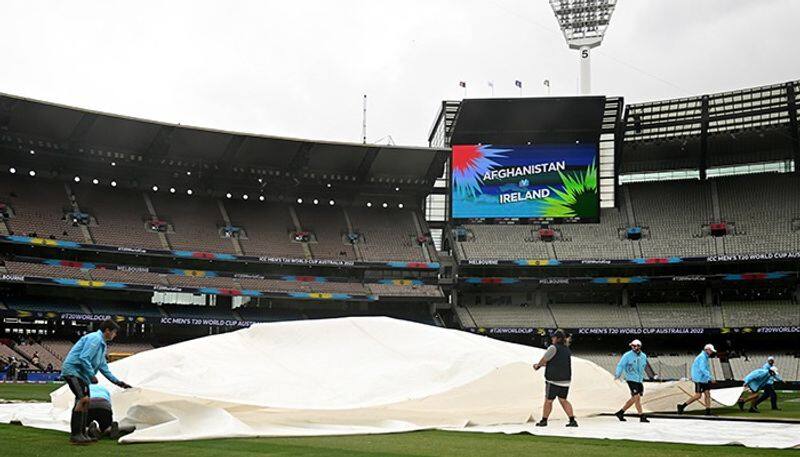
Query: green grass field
point(21, 441)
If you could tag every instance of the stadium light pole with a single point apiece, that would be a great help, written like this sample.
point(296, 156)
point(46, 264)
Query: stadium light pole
point(584, 23)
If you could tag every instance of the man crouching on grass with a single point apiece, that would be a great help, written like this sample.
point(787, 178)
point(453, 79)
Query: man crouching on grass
point(557, 375)
point(85, 359)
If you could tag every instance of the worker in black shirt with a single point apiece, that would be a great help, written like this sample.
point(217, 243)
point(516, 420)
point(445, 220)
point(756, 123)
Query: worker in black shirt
point(557, 375)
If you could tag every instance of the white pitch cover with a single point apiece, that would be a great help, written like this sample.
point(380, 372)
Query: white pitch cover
point(359, 375)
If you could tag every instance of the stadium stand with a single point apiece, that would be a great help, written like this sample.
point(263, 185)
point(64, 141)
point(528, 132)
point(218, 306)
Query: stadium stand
point(386, 234)
point(45, 356)
point(286, 286)
point(595, 241)
point(268, 227)
point(674, 222)
point(329, 228)
point(507, 242)
point(392, 290)
point(128, 277)
point(195, 223)
point(760, 313)
point(47, 271)
point(574, 315)
point(762, 209)
point(193, 281)
point(120, 217)
point(691, 315)
point(39, 208)
point(506, 316)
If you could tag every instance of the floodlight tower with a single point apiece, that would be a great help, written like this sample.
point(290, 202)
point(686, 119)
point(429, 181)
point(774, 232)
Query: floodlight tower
point(584, 23)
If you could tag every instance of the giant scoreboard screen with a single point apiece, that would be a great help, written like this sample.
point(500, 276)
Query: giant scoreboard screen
point(531, 182)
point(526, 160)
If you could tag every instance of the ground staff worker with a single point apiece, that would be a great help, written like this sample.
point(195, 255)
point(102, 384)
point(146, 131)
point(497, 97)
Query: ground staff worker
point(557, 374)
point(85, 359)
point(632, 365)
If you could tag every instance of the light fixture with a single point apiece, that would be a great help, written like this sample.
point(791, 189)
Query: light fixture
point(316, 201)
point(261, 198)
point(260, 180)
point(397, 189)
point(172, 190)
point(155, 188)
point(245, 197)
point(584, 23)
point(400, 205)
point(32, 173)
point(189, 192)
point(95, 181)
point(329, 185)
point(299, 200)
point(77, 179)
point(113, 184)
point(369, 204)
point(331, 202)
point(228, 195)
point(385, 205)
point(33, 152)
point(188, 173)
point(12, 170)
point(113, 164)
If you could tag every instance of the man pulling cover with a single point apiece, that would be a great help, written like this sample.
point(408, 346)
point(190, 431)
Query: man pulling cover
point(632, 365)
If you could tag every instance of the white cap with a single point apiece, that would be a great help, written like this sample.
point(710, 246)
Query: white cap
point(635, 343)
point(770, 358)
point(710, 347)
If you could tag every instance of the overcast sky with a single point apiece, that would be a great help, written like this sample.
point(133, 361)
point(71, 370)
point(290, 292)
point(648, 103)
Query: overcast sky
point(299, 68)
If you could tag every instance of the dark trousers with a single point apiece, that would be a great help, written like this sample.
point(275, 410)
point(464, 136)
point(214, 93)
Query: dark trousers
point(80, 389)
point(100, 412)
point(769, 392)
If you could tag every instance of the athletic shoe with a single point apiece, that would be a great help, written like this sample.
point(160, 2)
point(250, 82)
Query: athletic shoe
point(572, 423)
point(80, 440)
point(113, 431)
point(643, 418)
point(621, 416)
point(741, 405)
point(542, 423)
point(93, 431)
point(753, 410)
point(681, 408)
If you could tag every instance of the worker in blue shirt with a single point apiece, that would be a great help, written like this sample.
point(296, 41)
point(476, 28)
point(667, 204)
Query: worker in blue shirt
point(79, 370)
point(632, 365)
point(101, 417)
point(701, 375)
point(769, 391)
point(755, 381)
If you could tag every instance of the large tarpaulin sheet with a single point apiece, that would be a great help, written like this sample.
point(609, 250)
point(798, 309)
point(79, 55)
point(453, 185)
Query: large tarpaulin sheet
point(335, 377)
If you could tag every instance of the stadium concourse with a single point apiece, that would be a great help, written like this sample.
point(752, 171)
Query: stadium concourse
point(178, 233)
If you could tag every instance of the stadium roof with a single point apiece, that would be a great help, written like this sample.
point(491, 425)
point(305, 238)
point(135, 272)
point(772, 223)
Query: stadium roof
point(58, 129)
point(752, 125)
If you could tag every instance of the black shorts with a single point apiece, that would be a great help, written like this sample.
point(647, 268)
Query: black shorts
point(700, 387)
point(78, 386)
point(553, 391)
point(636, 388)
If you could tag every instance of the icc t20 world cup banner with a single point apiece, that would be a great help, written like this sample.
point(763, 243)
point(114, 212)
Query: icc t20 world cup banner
point(534, 182)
